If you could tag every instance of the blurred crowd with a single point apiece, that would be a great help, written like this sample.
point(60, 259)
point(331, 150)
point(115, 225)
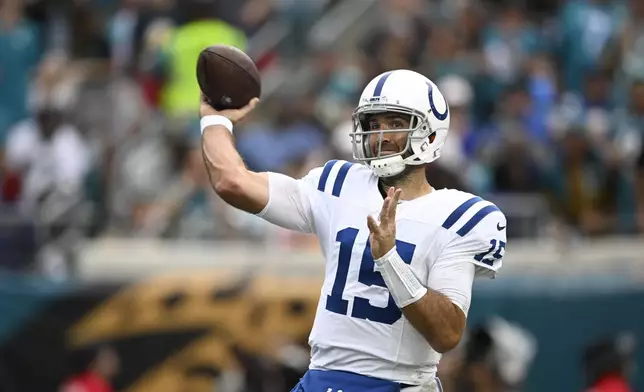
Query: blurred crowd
point(98, 103)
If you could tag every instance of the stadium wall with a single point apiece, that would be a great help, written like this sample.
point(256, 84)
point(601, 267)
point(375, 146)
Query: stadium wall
point(164, 323)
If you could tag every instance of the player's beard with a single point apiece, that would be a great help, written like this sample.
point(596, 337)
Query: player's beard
point(400, 178)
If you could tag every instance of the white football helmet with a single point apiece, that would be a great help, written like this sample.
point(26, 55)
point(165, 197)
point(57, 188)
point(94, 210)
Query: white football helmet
point(409, 93)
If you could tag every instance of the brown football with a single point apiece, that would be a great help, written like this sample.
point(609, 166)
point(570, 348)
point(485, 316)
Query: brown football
point(228, 77)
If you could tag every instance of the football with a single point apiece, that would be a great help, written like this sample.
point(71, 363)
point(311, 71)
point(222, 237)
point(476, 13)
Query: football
point(228, 77)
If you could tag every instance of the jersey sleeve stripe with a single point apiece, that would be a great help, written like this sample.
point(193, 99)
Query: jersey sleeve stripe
point(476, 219)
point(459, 212)
point(339, 179)
point(325, 175)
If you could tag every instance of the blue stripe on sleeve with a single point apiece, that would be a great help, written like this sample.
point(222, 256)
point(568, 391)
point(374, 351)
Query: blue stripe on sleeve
point(325, 175)
point(339, 179)
point(476, 219)
point(459, 212)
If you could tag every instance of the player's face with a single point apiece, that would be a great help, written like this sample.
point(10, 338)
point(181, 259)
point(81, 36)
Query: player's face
point(392, 142)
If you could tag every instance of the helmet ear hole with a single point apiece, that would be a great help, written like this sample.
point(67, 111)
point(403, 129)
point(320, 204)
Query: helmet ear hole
point(432, 137)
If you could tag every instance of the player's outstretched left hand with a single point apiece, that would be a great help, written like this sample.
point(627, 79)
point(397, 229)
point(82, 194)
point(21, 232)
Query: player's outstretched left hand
point(383, 235)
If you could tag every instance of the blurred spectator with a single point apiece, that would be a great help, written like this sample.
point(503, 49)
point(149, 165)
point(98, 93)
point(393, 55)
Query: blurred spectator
point(632, 44)
point(542, 102)
point(456, 168)
point(300, 16)
point(49, 160)
point(86, 30)
point(623, 57)
point(508, 44)
point(97, 376)
point(630, 129)
point(187, 207)
point(273, 147)
point(505, 143)
point(47, 151)
point(20, 48)
point(398, 40)
point(149, 67)
point(608, 363)
point(580, 185)
point(136, 32)
point(445, 53)
point(198, 28)
point(143, 166)
point(255, 13)
point(586, 28)
point(470, 19)
point(516, 170)
point(592, 106)
point(495, 356)
point(640, 190)
point(124, 36)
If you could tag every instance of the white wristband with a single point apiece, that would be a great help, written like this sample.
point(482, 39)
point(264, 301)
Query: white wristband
point(215, 119)
point(400, 279)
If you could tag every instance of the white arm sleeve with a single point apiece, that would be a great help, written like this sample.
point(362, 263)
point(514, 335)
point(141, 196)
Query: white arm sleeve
point(453, 277)
point(290, 201)
point(479, 253)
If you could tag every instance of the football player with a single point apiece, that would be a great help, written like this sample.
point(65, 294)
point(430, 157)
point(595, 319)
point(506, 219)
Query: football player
point(400, 255)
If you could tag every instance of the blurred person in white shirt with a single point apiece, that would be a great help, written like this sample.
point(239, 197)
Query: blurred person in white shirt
point(458, 93)
point(48, 151)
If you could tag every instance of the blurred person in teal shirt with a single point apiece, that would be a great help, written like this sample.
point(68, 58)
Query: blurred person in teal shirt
point(627, 139)
point(640, 191)
point(581, 186)
point(509, 44)
point(586, 28)
point(446, 54)
point(624, 55)
point(19, 53)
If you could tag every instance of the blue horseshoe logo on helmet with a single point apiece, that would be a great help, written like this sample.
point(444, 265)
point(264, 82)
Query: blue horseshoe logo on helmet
point(430, 96)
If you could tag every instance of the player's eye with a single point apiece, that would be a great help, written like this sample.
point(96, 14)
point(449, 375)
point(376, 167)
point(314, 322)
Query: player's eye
point(396, 124)
point(374, 126)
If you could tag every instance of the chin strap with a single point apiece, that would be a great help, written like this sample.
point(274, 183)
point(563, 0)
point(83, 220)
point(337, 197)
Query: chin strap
point(388, 166)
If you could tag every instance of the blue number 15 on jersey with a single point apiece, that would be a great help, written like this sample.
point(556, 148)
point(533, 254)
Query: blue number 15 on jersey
point(362, 309)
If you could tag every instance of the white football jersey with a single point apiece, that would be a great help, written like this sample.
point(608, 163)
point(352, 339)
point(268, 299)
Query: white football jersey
point(445, 236)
